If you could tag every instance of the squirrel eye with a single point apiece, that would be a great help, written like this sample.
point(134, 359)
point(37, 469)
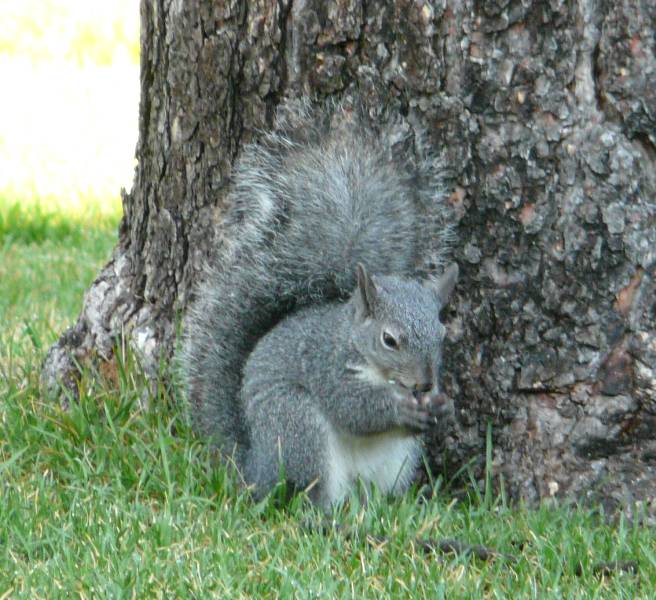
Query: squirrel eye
point(389, 341)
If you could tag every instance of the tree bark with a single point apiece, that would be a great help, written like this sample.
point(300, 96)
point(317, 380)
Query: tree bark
point(546, 114)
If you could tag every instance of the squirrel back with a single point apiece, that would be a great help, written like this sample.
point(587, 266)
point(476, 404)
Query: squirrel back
point(324, 191)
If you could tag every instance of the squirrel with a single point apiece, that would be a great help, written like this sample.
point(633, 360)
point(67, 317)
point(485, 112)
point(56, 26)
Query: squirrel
point(312, 350)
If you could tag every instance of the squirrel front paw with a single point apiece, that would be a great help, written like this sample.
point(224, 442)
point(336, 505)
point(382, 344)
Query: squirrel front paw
point(415, 415)
point(420, 413)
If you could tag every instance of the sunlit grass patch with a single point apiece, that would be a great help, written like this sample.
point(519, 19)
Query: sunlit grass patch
point(67, 133)
point(79, 31)
point(69, 103)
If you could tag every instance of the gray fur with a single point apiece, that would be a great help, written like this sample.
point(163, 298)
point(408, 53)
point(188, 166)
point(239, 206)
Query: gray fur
point(316, 197)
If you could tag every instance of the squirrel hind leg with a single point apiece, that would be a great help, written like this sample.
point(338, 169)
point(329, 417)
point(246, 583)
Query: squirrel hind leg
point(287, 446)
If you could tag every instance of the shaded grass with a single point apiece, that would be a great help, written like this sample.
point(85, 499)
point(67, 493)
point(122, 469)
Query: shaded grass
point(104, 500)
point(48, 257)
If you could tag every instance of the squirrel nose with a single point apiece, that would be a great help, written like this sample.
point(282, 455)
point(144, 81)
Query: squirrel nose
point(423, 387)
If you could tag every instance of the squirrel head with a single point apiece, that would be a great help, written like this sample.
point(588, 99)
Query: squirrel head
point(397, 328)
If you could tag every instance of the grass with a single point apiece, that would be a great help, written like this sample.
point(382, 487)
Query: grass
point(110, 500)
point(47, 259)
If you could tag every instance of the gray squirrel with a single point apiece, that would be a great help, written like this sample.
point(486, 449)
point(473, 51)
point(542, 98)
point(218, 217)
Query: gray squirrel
point(312, 351)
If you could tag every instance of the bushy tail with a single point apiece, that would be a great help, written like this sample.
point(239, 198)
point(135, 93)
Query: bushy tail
point(311, 200)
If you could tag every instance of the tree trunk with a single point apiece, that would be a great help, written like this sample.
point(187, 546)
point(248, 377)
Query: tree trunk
point(546, 114)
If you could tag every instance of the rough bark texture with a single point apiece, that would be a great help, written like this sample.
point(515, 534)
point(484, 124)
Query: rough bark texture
point(546, 112)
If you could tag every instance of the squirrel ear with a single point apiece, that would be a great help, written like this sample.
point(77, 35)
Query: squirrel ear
point(446, 283)
point(365, 294)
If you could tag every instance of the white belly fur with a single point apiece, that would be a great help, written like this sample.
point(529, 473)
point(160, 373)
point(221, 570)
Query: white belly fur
point(387, 460)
